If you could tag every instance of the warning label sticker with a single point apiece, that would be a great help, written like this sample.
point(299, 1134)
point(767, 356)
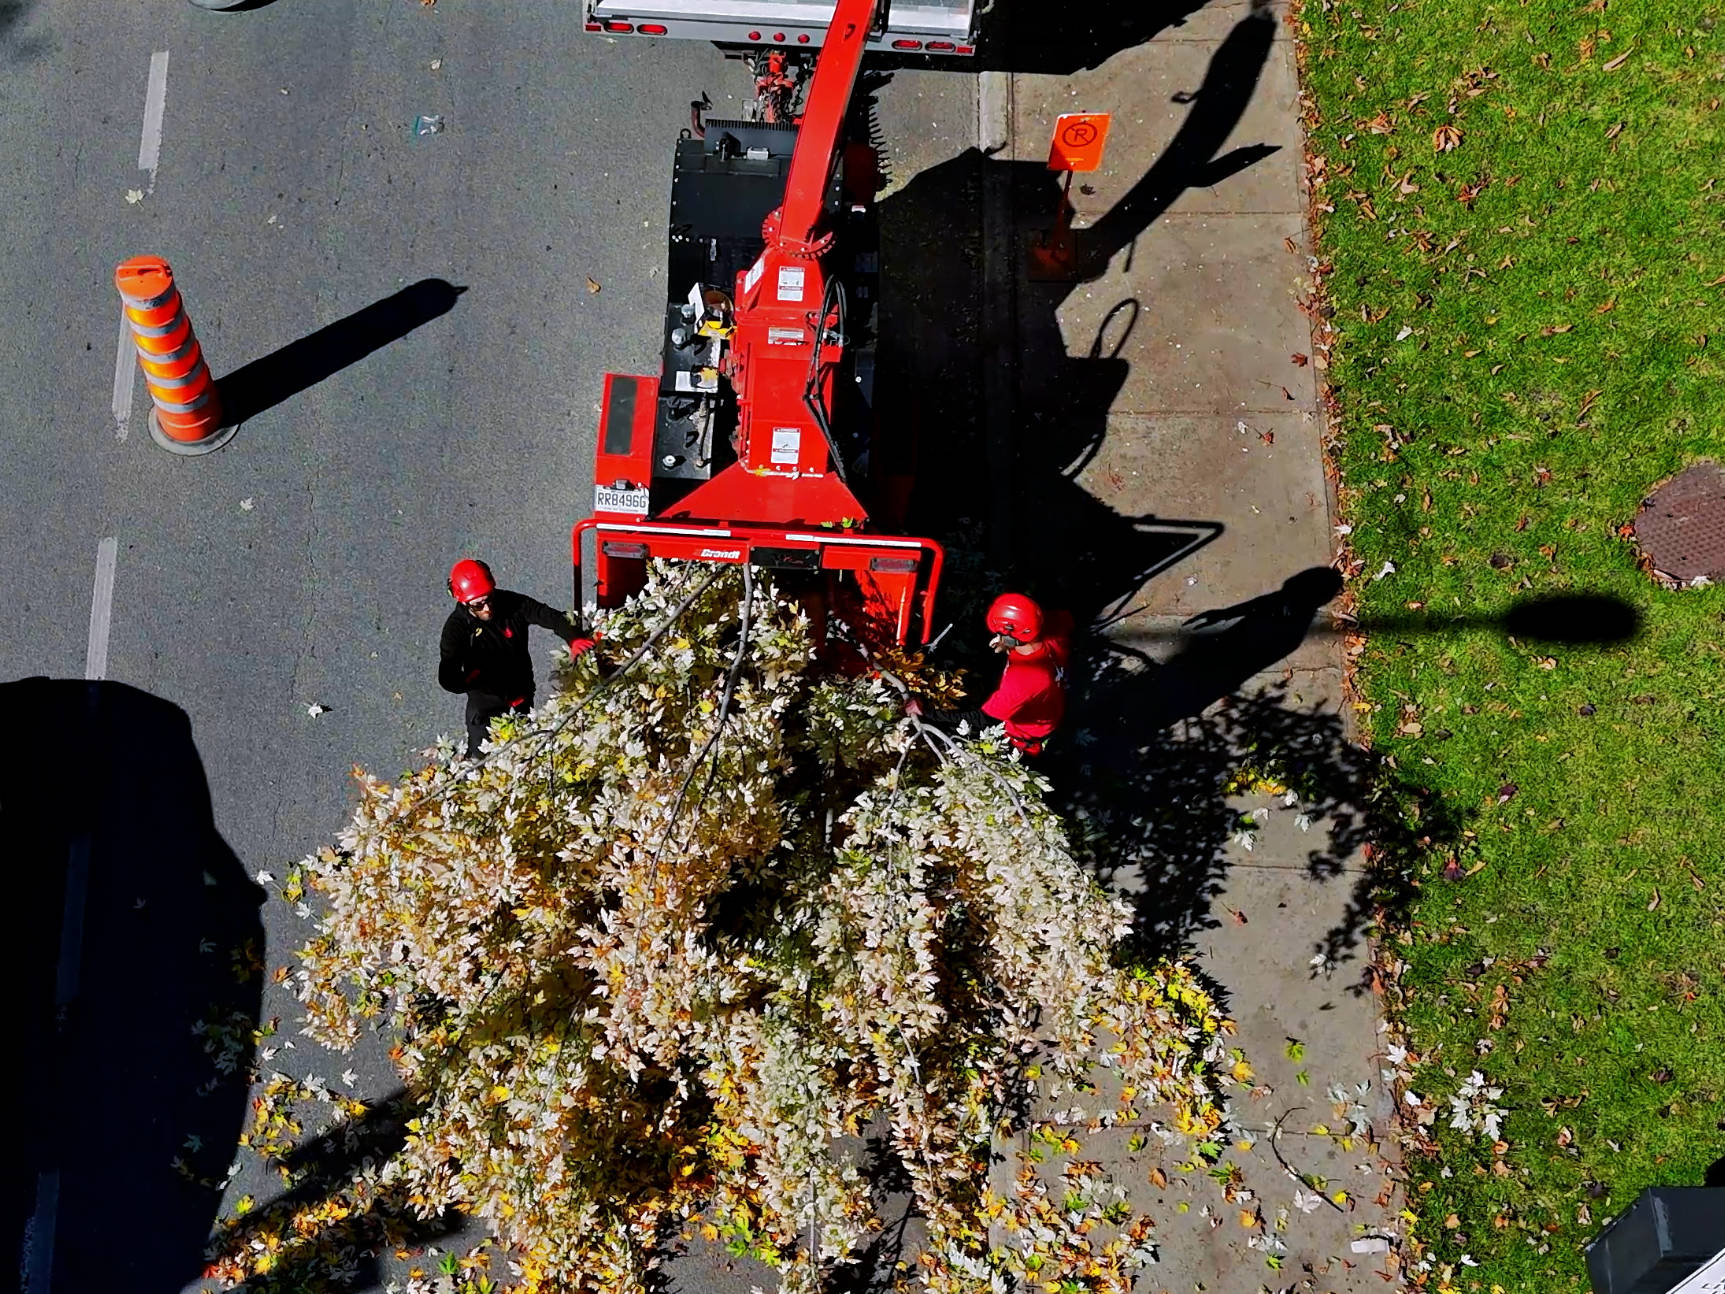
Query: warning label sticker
point(791, 282)
point(786, 336)
point(754, 275)
point(787, 443)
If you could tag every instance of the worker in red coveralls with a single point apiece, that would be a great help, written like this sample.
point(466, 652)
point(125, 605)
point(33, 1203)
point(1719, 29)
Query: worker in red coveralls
point(483, 651)
point(1031, 697)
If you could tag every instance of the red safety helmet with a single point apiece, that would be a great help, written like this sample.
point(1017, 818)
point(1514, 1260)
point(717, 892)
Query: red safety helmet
point(1014, 616)
point(469, 579)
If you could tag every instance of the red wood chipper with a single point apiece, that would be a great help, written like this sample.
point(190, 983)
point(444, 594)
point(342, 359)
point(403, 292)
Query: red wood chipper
point(757, 441)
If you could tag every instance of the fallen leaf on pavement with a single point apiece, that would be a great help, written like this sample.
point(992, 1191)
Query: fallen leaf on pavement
point(1300, 360)
point(592, 286)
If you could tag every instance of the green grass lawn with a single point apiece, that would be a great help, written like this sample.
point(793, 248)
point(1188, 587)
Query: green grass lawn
point(1527, 241)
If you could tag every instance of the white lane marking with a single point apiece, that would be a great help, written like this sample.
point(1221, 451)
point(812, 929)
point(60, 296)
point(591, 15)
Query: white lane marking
point(125, 378)
point(155, 101)
point(101, 609)
point(72, 922)
point(39, 1235)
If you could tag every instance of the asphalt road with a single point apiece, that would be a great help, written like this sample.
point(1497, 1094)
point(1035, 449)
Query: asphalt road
point(271, 157)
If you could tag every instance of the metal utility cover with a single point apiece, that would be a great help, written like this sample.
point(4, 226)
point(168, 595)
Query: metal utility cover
point(1681, 525)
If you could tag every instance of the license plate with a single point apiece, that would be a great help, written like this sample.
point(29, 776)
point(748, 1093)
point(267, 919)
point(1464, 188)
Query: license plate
point(605, 499)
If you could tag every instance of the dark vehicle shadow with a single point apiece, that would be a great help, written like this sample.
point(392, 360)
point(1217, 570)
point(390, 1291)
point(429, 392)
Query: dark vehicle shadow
point(139, 978)
point(1014, 488)
point(282, 374)
point(1021, 37)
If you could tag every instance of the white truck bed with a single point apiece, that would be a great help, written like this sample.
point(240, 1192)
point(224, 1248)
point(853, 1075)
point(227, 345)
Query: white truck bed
point(912, 26)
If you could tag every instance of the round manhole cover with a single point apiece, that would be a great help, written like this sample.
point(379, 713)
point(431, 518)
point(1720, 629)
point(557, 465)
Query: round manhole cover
point(1681, 526)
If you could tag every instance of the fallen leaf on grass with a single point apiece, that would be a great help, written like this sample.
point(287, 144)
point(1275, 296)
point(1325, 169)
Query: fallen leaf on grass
point(1615, 131)
point(1507, 792)
point(1620, 60)
point(1653, 905)
point(1445, 138)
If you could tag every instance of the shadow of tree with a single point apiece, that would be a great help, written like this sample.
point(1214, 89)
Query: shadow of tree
point(1169, 729)
point(328, 1231)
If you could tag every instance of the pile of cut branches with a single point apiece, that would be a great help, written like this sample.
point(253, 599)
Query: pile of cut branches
point(686, 932)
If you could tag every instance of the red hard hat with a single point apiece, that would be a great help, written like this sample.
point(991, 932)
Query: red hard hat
point(1014, 616)
point(469, 579)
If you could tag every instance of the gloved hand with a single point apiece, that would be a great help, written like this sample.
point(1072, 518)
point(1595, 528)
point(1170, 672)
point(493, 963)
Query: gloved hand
point(579, 647)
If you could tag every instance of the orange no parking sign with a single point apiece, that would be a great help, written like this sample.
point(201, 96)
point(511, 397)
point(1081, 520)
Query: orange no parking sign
point(1078, 141)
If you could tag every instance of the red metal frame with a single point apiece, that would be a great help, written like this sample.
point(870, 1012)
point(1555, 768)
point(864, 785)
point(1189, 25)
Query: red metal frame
point(786, 492)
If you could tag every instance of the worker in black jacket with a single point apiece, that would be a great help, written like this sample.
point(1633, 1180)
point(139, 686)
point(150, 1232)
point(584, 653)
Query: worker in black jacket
point(484, 647)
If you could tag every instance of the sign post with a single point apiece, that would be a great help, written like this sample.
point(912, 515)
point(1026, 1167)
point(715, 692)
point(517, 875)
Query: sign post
point(1079, 138)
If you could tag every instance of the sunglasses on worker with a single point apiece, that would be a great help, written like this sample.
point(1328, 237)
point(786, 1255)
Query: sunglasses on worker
point(478, 603)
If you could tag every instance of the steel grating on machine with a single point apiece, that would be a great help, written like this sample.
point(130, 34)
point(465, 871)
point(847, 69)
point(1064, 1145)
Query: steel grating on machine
point(1681, 526)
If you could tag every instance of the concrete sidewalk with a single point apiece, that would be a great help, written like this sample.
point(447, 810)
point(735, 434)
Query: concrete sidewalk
point(1167, 442)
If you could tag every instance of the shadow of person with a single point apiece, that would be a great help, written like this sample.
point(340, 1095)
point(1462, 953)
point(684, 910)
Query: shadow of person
point(1230, 645)
point(139, 982)
point(282, 374)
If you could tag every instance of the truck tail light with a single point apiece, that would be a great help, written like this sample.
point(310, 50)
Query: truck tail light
point(754, 35)
point(803, 39)
point(965, 49)
point(618, 26)
point(652, 29)
point(907, 44)
point(595, 26)
point(944, 46)
point(778, 38)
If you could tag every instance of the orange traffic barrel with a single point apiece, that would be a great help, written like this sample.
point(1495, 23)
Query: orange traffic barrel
point(187, 417)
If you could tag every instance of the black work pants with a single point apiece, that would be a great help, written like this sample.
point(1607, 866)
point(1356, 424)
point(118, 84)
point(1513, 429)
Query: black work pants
point(481, 710)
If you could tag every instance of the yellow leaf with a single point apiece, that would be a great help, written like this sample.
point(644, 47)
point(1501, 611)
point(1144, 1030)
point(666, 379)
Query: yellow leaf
point(1248, 1218)
point(709, 1231)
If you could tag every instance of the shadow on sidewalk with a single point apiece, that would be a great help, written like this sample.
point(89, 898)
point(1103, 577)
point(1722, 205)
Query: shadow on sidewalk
point(282, 374)
point(138, 987)
point(1152, 765)
point(1068, 546)
point(1021, 37)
